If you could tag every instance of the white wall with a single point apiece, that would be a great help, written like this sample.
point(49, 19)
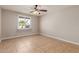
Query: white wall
point(10, 21)
point(63, 23)
point(0, 22)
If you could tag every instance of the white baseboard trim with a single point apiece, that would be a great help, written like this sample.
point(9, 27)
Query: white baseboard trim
point(51, 36)
point(4, 38)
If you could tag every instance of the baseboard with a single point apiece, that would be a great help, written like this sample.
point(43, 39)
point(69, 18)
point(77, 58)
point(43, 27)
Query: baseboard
point(51, 36)
point(4, 38)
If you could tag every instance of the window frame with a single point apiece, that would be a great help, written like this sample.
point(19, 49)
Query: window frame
point(18, 22)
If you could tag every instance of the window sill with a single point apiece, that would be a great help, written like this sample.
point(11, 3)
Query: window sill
point(23, 29)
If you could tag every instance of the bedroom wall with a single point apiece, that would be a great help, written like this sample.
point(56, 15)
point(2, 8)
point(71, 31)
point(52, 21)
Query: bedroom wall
point(0, 22)
point(63, 23)
point(10, 21)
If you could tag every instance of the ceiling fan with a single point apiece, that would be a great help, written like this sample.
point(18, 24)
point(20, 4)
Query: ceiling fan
point(37, 11)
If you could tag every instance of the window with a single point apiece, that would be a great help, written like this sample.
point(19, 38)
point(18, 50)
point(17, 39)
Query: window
point(24, 22)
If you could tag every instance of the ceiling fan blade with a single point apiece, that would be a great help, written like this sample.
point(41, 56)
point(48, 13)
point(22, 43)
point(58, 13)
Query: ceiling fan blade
point(43, 10)
point(31, 11)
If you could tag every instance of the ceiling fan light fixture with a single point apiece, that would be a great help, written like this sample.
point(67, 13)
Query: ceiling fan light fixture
point(36, 12)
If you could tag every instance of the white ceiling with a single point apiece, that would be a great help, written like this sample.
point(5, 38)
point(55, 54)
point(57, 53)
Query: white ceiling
point(27, 8)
